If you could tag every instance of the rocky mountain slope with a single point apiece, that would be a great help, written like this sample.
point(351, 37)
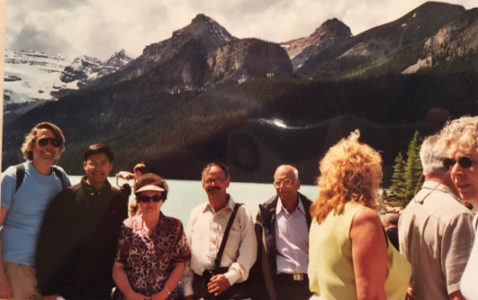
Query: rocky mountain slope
point(201, 55)
point(86, 69)
point(383, 41)
point(328, 41)
point(240, 60)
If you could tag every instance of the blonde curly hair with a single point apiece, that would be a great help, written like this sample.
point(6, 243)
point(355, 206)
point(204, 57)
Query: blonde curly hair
point(349, 172)
point(460, 134)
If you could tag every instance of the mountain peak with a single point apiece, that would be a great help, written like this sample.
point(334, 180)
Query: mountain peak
point(332, 28)
point(201, 18)
point(203, 26)
point(435, 5)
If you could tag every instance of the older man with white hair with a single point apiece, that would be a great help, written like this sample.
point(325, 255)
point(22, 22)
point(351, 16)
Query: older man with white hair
point(460, 140)
point(282, 225)
point(435, 230)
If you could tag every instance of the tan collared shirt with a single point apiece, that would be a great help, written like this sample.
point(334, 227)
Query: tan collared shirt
point(436, 235)
point(205, 231)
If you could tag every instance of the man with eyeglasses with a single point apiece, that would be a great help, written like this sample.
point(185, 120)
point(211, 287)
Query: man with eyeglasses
point(282, 224)
point(435, 230)
point(205, 231)
point(27, 189)
point(79, 234)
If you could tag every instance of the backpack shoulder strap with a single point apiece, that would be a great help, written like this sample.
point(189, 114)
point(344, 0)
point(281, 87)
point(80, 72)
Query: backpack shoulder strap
point(59, 174)
point(20, 175)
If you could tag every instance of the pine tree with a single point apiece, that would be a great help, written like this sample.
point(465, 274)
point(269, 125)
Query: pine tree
point(407, 174)
point(413, 168)
point(397, 188)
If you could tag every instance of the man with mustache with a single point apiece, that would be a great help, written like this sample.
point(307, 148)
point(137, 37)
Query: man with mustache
point(207, 223)
point(78, 239)
point(27, 189)
point(435, 230)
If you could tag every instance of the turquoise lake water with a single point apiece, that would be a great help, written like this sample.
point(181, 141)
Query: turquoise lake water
point(185, 194)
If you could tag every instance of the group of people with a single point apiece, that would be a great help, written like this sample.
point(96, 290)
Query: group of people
point(78, 242)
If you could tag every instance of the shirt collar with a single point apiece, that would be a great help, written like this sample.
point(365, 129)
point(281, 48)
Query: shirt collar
point(91, 190)
point(280, 207)
point(139, 225)
point(229, 205)
point(436, 186)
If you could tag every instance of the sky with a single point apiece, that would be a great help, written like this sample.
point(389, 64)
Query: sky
point(101, 27)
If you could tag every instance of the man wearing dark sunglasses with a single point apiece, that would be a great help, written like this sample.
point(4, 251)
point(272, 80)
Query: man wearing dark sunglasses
point(435, 229)
point(27, 189)
point(77, 242)
point(460, 138)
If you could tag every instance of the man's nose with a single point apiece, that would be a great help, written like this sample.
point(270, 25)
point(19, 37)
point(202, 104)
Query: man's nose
point(456, 169)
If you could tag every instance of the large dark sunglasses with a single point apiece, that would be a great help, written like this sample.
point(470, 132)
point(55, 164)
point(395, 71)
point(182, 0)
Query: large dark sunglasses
point(147, 199)
point(465, 162)
point(55, 142)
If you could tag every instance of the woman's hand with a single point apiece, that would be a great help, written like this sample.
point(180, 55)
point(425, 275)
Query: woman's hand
point(121, 280)
point(5, 289)
point(136, 296)
point(160, 296)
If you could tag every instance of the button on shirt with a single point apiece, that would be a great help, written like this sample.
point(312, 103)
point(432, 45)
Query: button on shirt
point(205, 232)
point(292, 239)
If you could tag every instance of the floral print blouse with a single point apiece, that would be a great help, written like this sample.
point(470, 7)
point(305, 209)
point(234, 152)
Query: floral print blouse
point(149, 259)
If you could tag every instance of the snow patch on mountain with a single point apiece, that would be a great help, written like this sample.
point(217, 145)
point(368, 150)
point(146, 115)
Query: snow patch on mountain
point(85, 69)
point(32, 75)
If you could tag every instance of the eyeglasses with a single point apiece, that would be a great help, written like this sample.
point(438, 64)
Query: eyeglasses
point(146, 199)
point(55, 142)
point(465, 162)
point(283, 182)
point(216, 180)
point(97, 164)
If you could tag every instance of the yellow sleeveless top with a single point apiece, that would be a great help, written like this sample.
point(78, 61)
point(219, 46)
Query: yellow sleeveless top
point(331, 271)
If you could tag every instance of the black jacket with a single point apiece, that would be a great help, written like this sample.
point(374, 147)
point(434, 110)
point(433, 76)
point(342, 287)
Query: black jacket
point(78, 239)
point(265, 231)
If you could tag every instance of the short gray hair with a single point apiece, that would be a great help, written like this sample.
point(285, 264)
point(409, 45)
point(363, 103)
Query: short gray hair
point(432, 156)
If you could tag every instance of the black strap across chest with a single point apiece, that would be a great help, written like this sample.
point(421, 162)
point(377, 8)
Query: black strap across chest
point(217, 261)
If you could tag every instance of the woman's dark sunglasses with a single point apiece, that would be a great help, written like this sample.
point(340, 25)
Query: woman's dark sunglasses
point(147, 199)
point(55, 142)
point(465, 162)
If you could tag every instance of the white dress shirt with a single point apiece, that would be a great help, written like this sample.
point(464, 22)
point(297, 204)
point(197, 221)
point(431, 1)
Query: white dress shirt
point(205, 232)
point(292, 239)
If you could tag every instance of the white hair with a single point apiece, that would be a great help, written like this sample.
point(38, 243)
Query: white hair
point(432, 156)
point(294, 169)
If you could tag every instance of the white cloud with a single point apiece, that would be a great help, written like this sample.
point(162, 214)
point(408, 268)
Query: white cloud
point(99, 28)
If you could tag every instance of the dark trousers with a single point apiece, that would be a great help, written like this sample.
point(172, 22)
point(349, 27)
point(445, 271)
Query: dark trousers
point(287, 288)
